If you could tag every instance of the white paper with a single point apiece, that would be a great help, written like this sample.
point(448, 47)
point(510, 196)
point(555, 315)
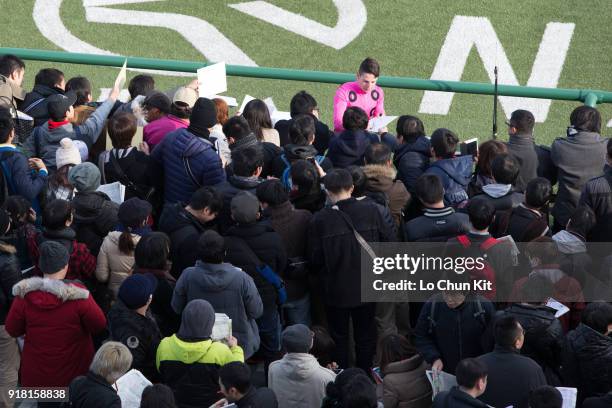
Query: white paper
point(247, 99)
point(115, 191)
point(379, 122)
point(222, 328)
point(122, 76)
point(129, 388)
point(213, 80)
point(440, 381)
point(279, 115)
point(24, 116)
point(228, 99)
point(270, 104)
point(559, 307)
point(569, 396)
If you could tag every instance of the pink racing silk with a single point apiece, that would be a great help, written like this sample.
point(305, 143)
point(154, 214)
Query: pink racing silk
point(350, 94)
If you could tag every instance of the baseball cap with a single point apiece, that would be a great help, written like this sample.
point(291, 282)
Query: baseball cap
point(157, 100)
point(59, 104)
point(186, 95)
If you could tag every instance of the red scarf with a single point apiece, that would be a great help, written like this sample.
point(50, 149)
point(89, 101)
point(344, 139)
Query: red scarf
point(55, 125)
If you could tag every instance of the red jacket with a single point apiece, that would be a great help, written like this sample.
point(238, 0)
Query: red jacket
point(57, 318)
point(82, 263)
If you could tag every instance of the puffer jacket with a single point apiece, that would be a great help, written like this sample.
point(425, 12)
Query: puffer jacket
point(411, 160)
point(228, 190)
point(455, 175)
point(39, 111)
point(299, 381)
point(95, 215)
point(348, 148)
point(405, 384)
point(113, 265)
point(92, 391)
point(587, 361)
point(181, 150)
point(381, 179)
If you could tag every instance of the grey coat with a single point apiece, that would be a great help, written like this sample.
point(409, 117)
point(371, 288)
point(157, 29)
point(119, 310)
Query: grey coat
point(229, 290)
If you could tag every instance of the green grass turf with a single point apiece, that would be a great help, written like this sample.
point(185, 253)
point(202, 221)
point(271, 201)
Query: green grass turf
point(405, 36)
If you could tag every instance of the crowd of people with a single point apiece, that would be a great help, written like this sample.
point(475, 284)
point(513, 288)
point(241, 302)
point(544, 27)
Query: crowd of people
point(265, 222)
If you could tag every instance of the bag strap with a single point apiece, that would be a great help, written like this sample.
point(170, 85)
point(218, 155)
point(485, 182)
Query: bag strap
point(190, 172)
point(480, 312)
point(362, 242)
point(488, 244)
point(123, 178)
point(464, 241)
point(101, 167)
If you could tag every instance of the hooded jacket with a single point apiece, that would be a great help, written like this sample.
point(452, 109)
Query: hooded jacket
point(293, 152)
point(521, 223)
point(597, 194)
point(502, 196)
point(92, 391)
point(405, 384)
point(181, 150)
point(381, 179)
point(455, 175)
point(228, 190)
point(575, 258)
point(322, 133)
point(348, 148)
point(21, 180)
point(39, 111)
point(113, 265)
point(411, 160)
point(436, 225)
point(299, 381)
point(189, 361)
point(587, 361)
point(95, 215)
point(10, 274)
point(578, 159)
point(456, 398)
point(229, 290)
point(59, 318)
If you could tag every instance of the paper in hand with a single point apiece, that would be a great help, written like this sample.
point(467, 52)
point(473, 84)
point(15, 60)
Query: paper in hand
point(559, 307)
point(115, 191)
point(129, 388)
point(379, 122)
point(247, 99)
point(222, 328)
point(122, 76)
point(212, 79)
point(569, 396)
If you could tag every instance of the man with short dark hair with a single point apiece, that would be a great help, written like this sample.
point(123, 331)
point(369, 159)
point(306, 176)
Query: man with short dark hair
point(363, 93)
point(236, 387)
point(47, 82)
point(138, 87)
point(502, 194)
point(12, 71)
point(545, 397)
point(185, 223)
point(413, 152)
point(439, 222)
point(348, 148)
point(471, 383)
point(522, 146)
point(511, 376)
point(455, 172)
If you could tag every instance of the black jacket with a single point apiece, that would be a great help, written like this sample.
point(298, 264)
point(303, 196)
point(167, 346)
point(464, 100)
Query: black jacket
point(501, 201)
point(587, 361)
point(598, 402)
point(10, 274)
point(454, 334)
point(455, 398)
point(523, 148)
point(411, 160)
point(39, 112)
point(436, 225)
point(511, 378)
point(258, 398)
point(267, 245)
point(322, 134)
point(92, 391)
point(228, 190)
point(291, 153)
point(139, 333)
point(184, 231)
point(335, 254)
point(521, 223)
point(544, 337)
point(597, 194)
point(313, 201)
point(95, 215)
point(348, 148)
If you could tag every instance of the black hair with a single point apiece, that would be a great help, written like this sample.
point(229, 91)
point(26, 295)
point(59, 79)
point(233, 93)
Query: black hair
point(323, 346)
point(370, 66)
point(56, 213)
point(180, 109)
point(152, 251)
point(304, 175)
point(360, 181)
point(272, 192)
point(141, 85)
point(211, 247)
point(258, 116)
point(469, 371)
point(378, 153)
point(302, 103)
point(538, 192)
point(586, 118)
point(206, 197)
point(18, 208)
point(157, 396)
point(245, 161)
point(126, 243)
point(507, 331)
point(354, 118)
point(338, 180)
point(582, 220)
point(537, 289)
point(523, 121)
point(334, 391)
point(10, 63)
point(360, 392)
point(237, 128)
point(545, 396)
point(444, 143)
point(50, 77)
point(429, 189)
point(505, 169)
point(598, 316)
point(235, 375)
point(410, 128)
point(302, 130)
point(81, 87)
point(6, 124)
point(481, 213)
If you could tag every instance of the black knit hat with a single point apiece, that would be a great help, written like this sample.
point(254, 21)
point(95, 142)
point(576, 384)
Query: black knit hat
point(203, 116)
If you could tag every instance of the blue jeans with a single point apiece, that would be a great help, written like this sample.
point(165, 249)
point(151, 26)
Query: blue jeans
point(269, 333)
point(297, 312)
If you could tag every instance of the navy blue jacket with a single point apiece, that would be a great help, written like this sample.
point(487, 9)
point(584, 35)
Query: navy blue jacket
point(20, 178)
point(348, 148)
point(411, 160)
point(455, 175)
point(205, 164)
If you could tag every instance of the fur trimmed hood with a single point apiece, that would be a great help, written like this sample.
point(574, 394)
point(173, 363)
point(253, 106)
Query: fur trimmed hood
point(7, 249)
point(60, 290)
point(380, 177)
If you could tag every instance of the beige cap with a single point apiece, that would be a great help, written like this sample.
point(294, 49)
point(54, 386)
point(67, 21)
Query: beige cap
point(186, 95)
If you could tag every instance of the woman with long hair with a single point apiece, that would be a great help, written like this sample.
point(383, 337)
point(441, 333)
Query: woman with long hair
point(257, 114)
point(483, 175)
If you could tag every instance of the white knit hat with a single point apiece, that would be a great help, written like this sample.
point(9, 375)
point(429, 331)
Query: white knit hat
point(67, 153)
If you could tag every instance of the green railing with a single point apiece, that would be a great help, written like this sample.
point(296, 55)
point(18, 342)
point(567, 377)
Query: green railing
point(589, 97)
